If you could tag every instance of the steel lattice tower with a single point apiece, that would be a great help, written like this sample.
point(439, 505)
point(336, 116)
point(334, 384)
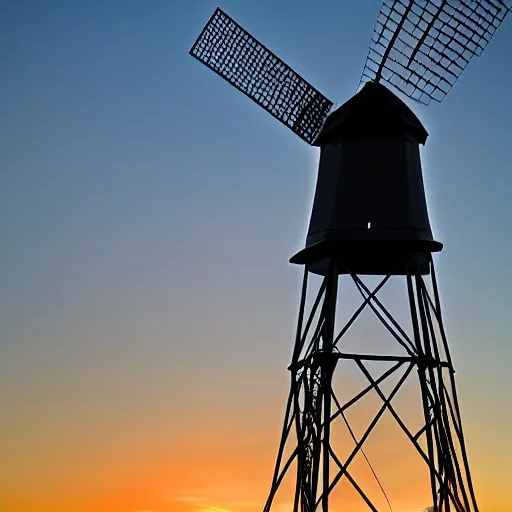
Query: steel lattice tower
point(313, 407)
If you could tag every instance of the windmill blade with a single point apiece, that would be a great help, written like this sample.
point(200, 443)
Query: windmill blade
point(229, 50)
point(422, 46)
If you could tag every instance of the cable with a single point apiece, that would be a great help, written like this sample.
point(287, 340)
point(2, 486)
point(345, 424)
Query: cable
point(362, 451)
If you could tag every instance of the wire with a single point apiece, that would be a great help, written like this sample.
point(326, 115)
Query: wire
point(364, 454)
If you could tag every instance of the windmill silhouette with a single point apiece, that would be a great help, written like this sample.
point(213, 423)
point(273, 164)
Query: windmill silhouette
point(369, 217)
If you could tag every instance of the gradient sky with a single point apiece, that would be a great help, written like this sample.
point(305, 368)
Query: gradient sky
point(147, 214)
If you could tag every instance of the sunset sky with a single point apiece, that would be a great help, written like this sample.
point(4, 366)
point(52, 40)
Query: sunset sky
point(147, 214)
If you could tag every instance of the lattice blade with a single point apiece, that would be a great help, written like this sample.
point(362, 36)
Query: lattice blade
point(421, 47)
point(229, 50)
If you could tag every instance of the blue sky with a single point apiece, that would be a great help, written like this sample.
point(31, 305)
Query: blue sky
point(148, 210)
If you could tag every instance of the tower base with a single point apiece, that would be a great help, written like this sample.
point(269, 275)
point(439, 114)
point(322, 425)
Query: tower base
point(313, 408)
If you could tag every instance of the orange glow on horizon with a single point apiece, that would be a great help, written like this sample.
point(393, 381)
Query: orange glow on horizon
point(221, 468)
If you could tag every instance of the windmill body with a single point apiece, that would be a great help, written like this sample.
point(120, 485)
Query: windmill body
point(370, 202)
point(369, 217)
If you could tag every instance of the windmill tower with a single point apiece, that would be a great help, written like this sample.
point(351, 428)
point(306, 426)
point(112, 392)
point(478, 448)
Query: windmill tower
point(369, 217)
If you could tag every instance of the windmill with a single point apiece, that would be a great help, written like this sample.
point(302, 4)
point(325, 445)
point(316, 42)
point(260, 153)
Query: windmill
point(369, 217)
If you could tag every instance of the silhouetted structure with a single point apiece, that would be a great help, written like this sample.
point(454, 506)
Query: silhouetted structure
point(369, 217)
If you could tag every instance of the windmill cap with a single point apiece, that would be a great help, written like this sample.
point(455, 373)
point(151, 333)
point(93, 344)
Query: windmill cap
point(374, 109)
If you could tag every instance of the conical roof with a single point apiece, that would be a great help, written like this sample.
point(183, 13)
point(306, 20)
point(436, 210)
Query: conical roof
point(374, 109)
